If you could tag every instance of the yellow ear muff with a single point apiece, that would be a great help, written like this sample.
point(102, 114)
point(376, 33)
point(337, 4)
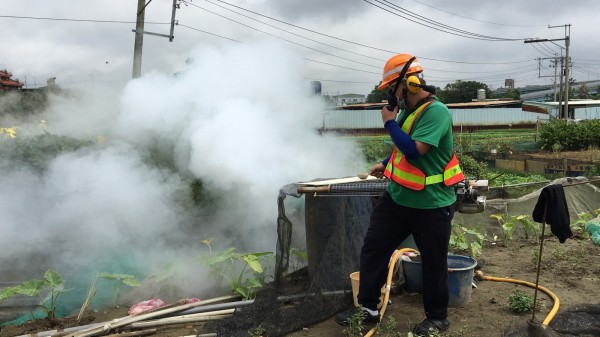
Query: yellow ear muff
point(413, 84)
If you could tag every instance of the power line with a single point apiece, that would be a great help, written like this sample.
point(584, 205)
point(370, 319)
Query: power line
point(289, 32)
point(434, 24)
point(356, 43)
point(468, 18)
point(77, 20)
point(308, 30)
point(203, 31)
point(286, 40)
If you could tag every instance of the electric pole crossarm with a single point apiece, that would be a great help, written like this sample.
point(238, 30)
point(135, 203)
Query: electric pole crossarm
point(542, 40)
point(155, 34)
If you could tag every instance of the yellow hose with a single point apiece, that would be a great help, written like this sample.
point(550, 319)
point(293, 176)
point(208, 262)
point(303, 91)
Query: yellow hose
point(388, 286)
point(532, 285)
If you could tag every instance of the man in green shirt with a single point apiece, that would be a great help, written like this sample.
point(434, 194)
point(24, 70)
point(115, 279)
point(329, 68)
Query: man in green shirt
point(419, 200)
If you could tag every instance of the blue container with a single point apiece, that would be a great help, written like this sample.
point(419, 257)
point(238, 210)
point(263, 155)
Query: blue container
point(460, 278)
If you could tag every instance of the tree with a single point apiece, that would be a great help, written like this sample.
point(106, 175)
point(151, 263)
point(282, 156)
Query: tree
point(512, 93)
point(377, 96)
point(462, 91)
point(584, 91)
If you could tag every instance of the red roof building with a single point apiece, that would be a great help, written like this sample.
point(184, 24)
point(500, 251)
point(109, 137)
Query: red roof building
point(6, 83)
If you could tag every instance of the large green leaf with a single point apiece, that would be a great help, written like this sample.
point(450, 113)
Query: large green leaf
point(227, 254)
point(253, 262)
point(110, 276)
point(30, 288)
point(132, 282)
point(53, 278)
point(7, 293)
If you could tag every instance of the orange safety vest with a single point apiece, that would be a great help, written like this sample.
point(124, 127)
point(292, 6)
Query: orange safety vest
point(405, 174)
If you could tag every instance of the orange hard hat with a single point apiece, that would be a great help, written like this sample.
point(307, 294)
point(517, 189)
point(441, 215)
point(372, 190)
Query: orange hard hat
point(394, 65)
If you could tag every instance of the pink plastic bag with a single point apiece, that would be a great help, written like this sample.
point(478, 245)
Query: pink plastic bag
point(145, 306)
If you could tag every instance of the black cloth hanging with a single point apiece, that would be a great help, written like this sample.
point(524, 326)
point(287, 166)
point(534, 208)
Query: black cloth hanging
point(552, 199)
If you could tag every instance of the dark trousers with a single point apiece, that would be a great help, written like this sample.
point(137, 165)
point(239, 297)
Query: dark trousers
point(390, 225)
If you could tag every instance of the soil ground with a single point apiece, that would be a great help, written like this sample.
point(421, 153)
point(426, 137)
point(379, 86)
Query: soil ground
point(570, 270)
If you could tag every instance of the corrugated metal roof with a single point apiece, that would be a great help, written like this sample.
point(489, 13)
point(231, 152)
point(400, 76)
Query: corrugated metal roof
point(485, 104)
point(371, 119)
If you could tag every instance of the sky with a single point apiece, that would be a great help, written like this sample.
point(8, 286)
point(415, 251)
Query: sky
point(227, 103)
point(344, 44)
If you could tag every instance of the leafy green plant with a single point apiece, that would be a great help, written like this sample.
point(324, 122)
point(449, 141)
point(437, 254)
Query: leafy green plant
point(471, 167)
point(233, 267)
point(559, 253)
point(507, 225)
point(119, 281)
point(375, 148)
point(535, 256)
point(355, 324)
point(463, 239)
point(38, 151)
point(520, 302)
point(389, 328)
point(578, 226)
point(52, 282)
point(257, 332)
point(9, 133)
point(529, 227)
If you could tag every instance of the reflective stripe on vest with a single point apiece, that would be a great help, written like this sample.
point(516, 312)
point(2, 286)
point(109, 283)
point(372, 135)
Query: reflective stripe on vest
point(405, 174)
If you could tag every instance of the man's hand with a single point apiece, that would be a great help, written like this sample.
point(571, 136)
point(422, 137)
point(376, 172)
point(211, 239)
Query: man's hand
point(377, 170)
point(387, 115)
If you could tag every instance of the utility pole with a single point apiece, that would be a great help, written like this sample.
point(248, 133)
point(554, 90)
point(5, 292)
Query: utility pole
point(139, 34)
point(563, 112)
point(567, 65)
point(555, 61)
point(139, 39)
point(560, 88)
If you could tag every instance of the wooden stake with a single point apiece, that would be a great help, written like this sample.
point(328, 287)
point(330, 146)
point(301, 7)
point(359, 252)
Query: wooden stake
point(134, 333)
point(105, 328)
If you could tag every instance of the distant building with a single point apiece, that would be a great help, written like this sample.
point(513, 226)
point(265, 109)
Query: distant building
point(7, 83)
point(347, 99)
point(509, 83)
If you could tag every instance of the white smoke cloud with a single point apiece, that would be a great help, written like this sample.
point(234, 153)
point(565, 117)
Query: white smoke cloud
point(240, 119)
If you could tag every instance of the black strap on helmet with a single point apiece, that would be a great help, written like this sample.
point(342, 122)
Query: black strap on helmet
point(393, 102)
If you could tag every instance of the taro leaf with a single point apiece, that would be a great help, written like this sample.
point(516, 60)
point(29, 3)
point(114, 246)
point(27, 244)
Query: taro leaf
point(242, 291)
point(28, 288)
point(253, 262)
point(224, 256)
point(109, 276)
point(253, 283)
point(132, 282)
point(7, 293)
point(52, 278)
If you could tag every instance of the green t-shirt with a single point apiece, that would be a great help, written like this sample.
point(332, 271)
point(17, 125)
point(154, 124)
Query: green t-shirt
point(434, 127)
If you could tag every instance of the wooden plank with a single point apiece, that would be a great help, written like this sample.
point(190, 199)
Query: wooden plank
point(337, 181)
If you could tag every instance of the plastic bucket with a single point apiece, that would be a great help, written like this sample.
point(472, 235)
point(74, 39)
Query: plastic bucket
point(355, 281)
point(460, 278)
